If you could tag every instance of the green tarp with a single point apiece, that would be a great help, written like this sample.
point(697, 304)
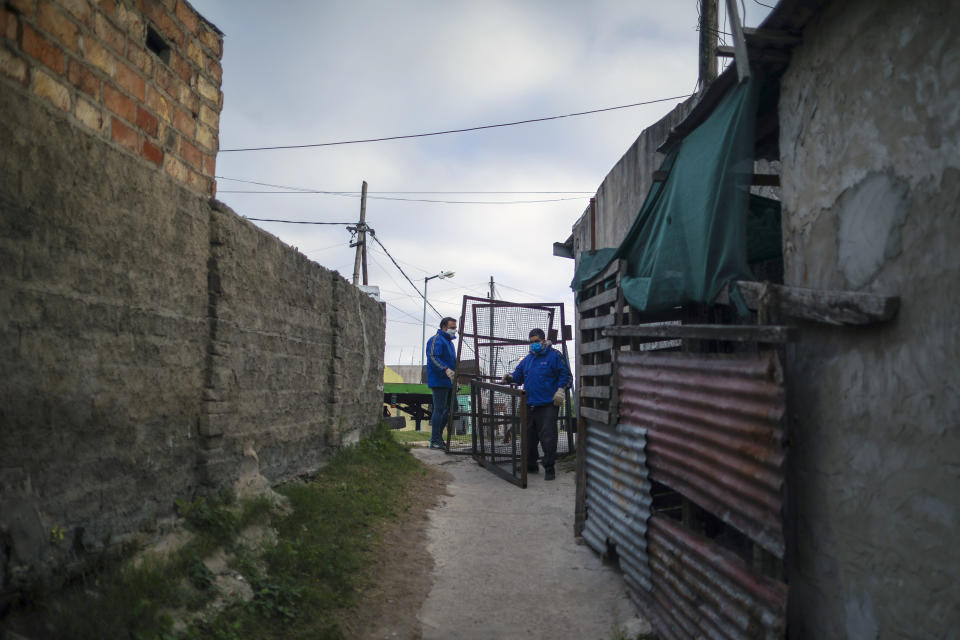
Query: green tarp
point(690, 236)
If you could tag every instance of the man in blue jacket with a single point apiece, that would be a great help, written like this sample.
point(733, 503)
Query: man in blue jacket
point(545, 376)
point(441, 362)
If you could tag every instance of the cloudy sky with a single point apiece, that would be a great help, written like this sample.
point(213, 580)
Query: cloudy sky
point(301, 72)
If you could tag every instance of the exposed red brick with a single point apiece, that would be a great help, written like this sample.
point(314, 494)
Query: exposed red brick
point(215, 71)
point(130, 80)
point(36, 46)
point(79, 8)
point(187, 16)
point(124, 135)
point(83, 79)
point(170, 29)
point(109, 34)
point(147, 122)
point(109, 7)
point(184, 122)
point(140, 58)
point(13, 66)
point(8, 24)
point(169, 81)
point(209, 164)
point(191, 154)
point(24, 7)
point(180, 66)
point(152, 153)
point(159, 104)
point(118, 103)
point(211, 39)
point(51, 20)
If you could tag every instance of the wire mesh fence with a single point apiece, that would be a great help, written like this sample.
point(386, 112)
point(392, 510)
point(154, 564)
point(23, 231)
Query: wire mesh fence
point(494, 339)
point(499, 439)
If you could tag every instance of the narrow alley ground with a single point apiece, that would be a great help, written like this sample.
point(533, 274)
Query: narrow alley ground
point(506, 564)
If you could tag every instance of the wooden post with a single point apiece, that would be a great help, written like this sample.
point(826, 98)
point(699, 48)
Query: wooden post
point(361, 255)
point(708, 42)
point(739, 44)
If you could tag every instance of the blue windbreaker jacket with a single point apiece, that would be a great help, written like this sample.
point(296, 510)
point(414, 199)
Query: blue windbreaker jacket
point(441, 355)
point(541, 375)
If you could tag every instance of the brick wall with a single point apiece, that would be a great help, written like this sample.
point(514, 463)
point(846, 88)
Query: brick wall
point(152, 344)
point(145, 75)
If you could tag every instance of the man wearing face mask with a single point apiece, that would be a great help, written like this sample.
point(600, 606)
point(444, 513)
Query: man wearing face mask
point(441, 361)
point(545, 376)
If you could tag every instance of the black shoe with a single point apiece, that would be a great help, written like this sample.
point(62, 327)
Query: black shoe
point(533, 468)
point(549, 474)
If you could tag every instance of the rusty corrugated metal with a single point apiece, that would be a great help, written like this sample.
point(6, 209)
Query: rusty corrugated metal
point(714, 433)
point(618, 498)
point(701, 590)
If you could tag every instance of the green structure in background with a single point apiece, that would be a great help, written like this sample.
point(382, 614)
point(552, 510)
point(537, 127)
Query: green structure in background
point(691, 236)
point(416, 400)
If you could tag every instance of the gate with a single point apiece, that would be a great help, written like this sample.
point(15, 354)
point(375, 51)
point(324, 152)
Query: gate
point(493, 340)
point(499, 437)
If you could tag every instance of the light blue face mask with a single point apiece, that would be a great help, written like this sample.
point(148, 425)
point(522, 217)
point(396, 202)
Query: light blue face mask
point(536, 347)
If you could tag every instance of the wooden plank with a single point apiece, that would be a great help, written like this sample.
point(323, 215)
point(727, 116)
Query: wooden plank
point(739, 44)
point(610, 270)
point(596, 415)
point(595, 392)
point(772, 334)
point(580, 500)
point(603, 369)
point(603, 344)
point(725, 51)
point(770, 37)
point(820, 305)
point(606, 297)
point(597, 323)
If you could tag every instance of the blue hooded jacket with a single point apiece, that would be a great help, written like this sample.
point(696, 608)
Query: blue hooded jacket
point(441, 355)
point(541, 374)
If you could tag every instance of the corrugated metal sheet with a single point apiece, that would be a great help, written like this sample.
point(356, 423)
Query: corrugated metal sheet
point(714, 433)
point(618, 498)
point(700, 590)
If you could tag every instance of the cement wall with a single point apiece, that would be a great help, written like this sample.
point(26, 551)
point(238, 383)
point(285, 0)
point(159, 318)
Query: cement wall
point(870, 144)
point(153, 345)
point(625, 187)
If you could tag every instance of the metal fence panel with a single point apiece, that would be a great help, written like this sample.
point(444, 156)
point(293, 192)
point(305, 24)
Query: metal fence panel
point(700, 590)
point(499, 439)
point(714, 433)
point(618, 498)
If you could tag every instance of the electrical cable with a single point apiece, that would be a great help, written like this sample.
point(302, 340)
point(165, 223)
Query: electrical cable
point(369, 197)
point(400, 269)
point(358, 193)
point(449, 131)
point(296, 221)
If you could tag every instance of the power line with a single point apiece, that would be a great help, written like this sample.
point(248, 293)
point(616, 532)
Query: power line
point(357, 193)
point(369, 197)
point(296, 221)
point(400, 269)
point(449, 131)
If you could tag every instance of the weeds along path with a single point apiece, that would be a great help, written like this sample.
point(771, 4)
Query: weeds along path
point(506, 564)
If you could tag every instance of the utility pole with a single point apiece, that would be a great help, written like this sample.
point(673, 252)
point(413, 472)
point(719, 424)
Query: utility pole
point(361, 256)
point(492, 292)
point(709, 28)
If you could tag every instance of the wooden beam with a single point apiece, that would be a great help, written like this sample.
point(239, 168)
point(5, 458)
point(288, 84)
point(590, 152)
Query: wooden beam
point(595, 392)
point(589, 370)
point(596, 415)
point(727, 332)
point(597, 323)
point(606, 297)
point(819, 305)
point(739, 44)
point(603, 344)
point(609, 270)
point(725, 51)
point(770, 37)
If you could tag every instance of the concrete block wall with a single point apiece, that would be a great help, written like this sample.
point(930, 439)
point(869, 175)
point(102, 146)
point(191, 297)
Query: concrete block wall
point(870, 151)
point(153, 346)
point(143, 74)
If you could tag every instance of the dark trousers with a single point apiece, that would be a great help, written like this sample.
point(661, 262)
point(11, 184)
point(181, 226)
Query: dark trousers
point(542, 430)
point(440, 412)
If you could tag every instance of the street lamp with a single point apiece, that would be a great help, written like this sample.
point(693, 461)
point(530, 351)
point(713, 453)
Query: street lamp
point(423, 334)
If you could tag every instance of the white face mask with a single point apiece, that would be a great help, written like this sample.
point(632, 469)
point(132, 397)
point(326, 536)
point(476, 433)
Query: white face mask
point(452, 333)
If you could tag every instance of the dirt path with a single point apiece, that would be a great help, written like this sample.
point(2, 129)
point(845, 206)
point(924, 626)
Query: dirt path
point(505, 563)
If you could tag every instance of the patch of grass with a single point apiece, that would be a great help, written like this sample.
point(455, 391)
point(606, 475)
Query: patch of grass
point(311, 574)
point(404, 436)
point(302, 585)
